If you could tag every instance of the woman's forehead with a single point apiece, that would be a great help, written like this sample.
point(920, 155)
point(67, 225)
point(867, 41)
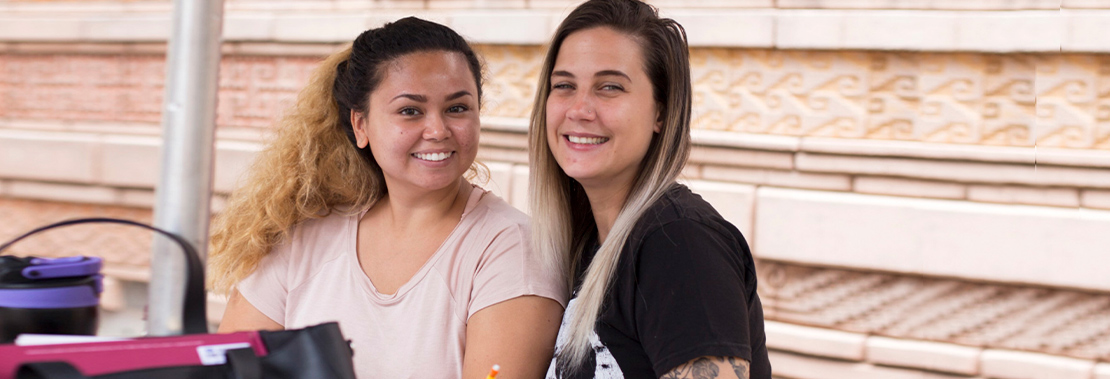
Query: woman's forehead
point(431, 73)
point(599, 49)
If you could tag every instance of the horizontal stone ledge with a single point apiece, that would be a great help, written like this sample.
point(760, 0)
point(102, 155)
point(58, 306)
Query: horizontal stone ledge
point(1087, 31)
point(940, 238)
point(815, 341)
point(916, 355)
point(703, 137)
point(1018, 364)
point(1040, 175)
point(905, 353)
point(792, 365)
point(869, 147)
point(363, 5)
point(125, 161)
point(966, 164)
point(992, 5)
point(957, 152)
point(89, 194)
point(1102, 371)
point(926, 355)
point(1079, 30)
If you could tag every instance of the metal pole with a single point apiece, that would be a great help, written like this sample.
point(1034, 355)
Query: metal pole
point(188, 134)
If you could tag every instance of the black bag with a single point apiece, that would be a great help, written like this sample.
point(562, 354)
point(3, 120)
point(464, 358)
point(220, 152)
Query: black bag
point(314, 352)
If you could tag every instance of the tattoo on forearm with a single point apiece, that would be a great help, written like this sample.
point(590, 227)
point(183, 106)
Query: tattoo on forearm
point(709, 368)
point(701, 368)
point(741, 367)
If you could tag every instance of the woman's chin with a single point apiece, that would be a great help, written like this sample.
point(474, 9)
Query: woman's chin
point(586, 178)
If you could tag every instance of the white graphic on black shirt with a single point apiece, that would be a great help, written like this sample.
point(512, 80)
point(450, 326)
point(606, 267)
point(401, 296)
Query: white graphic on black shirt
point(600, 358)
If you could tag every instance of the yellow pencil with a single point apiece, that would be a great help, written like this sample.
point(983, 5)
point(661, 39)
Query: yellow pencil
point(493, 372)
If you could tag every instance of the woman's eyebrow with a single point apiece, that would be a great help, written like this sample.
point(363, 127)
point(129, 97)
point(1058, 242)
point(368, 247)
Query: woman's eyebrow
point(417, 98)
point(457, 95)
point(612, 73)
point(598, 74)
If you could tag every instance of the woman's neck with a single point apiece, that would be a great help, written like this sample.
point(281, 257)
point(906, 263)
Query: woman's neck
point(606, 202)
point(405, 209)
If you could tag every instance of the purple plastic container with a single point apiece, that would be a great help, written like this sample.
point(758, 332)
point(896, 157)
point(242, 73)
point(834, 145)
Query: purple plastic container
point(48, 296)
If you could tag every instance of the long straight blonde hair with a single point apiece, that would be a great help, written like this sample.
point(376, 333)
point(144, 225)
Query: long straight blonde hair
point(562, 221)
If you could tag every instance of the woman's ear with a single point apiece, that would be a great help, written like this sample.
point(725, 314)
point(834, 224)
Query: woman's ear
point(658, 119)
point(358, 123)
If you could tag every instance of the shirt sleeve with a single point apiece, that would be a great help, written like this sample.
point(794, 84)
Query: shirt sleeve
point(267, 287)
point(690, 297)
point(508, 269)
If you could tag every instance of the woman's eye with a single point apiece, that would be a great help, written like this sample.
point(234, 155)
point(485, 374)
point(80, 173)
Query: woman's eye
point(611, 87)
point(561, 86)
point(409, 111)
point(457, 109)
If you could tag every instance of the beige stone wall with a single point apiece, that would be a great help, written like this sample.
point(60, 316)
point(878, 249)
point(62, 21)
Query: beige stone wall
point(926, 184)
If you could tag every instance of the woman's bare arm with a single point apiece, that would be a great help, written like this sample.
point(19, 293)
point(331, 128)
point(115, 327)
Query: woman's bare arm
point(517, 334)
point(240, 315)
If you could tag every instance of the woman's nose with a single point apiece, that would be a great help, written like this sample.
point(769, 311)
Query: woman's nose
point(436, 129)
point(581, 109)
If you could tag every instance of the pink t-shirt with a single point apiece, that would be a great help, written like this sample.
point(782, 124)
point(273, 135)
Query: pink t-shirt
point(419, 331)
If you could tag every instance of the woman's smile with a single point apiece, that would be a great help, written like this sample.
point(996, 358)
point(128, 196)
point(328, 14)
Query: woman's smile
point(584, 141)
point(434, 156)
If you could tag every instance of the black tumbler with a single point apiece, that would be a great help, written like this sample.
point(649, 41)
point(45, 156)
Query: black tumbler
point(49, 296)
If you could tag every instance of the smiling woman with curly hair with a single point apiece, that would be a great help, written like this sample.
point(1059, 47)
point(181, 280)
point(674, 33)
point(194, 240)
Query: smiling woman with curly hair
point(360, 212)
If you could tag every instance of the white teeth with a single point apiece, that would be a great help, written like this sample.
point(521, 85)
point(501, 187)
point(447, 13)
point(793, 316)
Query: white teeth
point(586, 140)
point(434, 157)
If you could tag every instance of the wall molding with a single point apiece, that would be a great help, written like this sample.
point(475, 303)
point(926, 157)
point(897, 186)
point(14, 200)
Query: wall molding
point(997, 31)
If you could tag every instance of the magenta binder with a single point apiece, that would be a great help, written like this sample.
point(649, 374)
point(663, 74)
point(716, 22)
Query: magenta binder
point(96, 358)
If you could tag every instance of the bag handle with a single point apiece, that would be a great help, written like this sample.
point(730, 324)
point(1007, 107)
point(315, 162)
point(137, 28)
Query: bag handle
point(194, 316)
point(244, 364)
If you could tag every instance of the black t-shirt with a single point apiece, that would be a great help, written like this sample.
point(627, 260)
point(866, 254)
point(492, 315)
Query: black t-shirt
point(685, 287)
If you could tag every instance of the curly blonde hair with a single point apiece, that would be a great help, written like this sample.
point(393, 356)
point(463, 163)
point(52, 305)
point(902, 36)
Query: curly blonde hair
point(308, 171)
point(312, 167)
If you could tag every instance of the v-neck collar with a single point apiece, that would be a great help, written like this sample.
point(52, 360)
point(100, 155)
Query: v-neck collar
point(476, 195)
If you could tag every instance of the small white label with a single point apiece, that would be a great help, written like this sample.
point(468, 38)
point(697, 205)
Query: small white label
point(216, 354)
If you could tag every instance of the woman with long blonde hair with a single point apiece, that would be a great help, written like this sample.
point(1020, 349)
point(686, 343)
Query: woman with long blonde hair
point(664, 286)
point(360, 212)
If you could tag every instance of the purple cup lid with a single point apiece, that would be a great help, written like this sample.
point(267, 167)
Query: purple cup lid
point(50, 268)
point(53, 297)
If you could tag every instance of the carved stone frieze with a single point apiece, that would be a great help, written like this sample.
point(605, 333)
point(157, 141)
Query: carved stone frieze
point(963, 98)
point(512, 73)
point(1046, 320)
point(1023, 100)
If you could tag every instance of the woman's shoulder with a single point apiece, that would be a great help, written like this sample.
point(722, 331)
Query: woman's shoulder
point(309, 247)
point(321, 238)
point(680, 209)
point(682, 222)
point(679, 203)
point(492, 211)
